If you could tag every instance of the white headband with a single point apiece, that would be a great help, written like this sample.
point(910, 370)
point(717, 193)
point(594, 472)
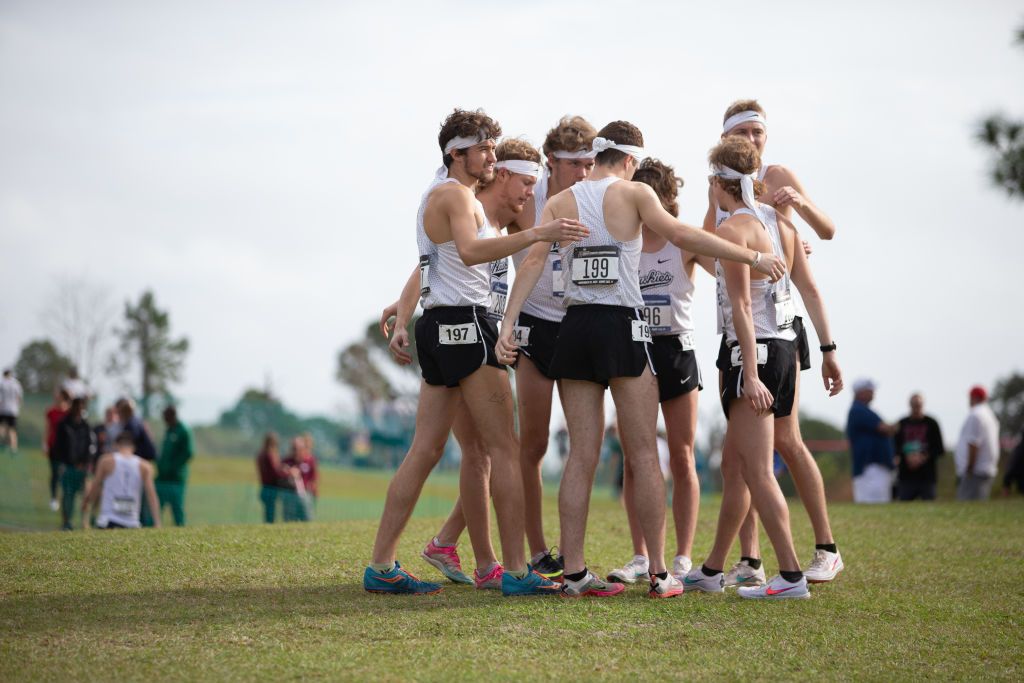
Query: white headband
point(743, 117)
point(530, 168)
point(463, 143)
point(578, 154)
point(746, 185)
point(601, 144)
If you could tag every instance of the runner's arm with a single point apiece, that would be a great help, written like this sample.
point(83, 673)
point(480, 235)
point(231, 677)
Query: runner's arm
point(791, 193)
point(95, 488)
point(147, 486)
point(709, 215)
point(527, 275)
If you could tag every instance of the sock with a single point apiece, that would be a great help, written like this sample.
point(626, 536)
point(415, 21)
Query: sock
point(752, 562)
point(830, 547)
point(487, 570)
point(538, 557)
point(662, 575)
point(792, 577)
point(443, 545)
point(578, 576)
point(709, 572)
point(382, 568)
point(521, 574)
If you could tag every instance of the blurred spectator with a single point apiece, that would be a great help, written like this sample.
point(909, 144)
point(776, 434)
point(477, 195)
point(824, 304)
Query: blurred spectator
point(106, 432)
point(144, 446)
point(870, 447)
point(172, 467)
point(1015, 468)
point(298, 504)
point(977, 451)
point(54, 414)
point(75, 448)
point(10, 405)
point(273, 476)
point(918, 446)
point(74, 385)
point(121, 479)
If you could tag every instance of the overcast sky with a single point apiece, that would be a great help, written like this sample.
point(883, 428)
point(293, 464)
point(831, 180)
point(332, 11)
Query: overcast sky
point(258, 164)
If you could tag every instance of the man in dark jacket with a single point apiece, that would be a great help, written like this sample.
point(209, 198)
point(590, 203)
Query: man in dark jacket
point(918, 446)
point(172, 467)
point(75, 447)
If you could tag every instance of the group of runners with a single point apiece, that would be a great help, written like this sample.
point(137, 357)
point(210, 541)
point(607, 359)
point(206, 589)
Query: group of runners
point(602, 300)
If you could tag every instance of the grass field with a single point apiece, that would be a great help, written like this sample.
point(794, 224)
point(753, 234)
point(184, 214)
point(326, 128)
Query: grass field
point(930, 591)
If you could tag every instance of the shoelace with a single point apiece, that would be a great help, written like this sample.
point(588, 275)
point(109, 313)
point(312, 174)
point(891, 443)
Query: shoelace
point(820, 560)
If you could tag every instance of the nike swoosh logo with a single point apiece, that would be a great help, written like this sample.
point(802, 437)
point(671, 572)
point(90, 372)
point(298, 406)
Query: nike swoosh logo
point(664, 261)
point(743, 578)
point(684, 381)
point(690, 581)
point(772, 591)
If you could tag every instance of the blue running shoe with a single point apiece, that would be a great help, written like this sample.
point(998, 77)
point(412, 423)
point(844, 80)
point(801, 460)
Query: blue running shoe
point(531, 584)
point(397, 581)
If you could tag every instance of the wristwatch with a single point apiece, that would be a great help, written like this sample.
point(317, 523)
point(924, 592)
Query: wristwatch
point(829, 347)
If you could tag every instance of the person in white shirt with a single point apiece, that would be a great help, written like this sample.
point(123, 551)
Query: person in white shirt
point(75, 385)
point(10, 405)
point(977, 451)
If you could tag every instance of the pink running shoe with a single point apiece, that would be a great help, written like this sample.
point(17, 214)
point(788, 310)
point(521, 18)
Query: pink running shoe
point(446, 560)
point(493, 579)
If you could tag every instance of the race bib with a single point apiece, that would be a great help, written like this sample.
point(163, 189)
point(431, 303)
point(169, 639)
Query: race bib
point(124, 506)
point(457, 334)
point(595, 265)
point(499, 297)
point(641, 331)
point(657, 312)
point(737, 355)
point(521, 335)
point(785, 309)
point(557, 277)
point(424, 275)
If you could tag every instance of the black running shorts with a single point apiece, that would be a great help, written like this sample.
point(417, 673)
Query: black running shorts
point(9, 420)
point(453, 342)
point(778, 374)
point(595, 344)
point(678, 373)
point(540, 346)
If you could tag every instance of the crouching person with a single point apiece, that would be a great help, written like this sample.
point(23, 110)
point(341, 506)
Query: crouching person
point(121, 478)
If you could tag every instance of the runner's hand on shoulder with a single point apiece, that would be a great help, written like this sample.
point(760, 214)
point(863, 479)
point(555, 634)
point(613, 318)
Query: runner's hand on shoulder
point(562, 230)
point(385, 317)
point(506, 349)
point(772, 266)
point(785, 196)
point(831, 374)
point(398, 345)
point(758, 394)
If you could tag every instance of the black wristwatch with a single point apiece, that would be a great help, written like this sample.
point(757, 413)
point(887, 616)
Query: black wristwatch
point(830, 347)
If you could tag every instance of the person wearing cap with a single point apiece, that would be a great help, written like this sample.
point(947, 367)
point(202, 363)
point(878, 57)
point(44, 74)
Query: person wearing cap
point(977, 451)
point(871, 448)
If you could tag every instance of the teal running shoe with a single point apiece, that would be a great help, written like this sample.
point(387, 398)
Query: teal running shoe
point(531, 584)
point(397, 581)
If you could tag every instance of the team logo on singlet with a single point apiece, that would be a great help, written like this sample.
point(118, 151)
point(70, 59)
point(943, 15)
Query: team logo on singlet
point(655, 278)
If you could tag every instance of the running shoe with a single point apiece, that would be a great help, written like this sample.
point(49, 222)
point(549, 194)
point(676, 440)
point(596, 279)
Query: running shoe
point(681, 566)
point(697, 580)
point(824, 567)
point(590, 586)
point(54, 505)
point(446, 560)
point(742, 574)
point(549, 566)
point(397, 581)
point(492, 580)
point(668, 587)
point(631, 571)
point(531, 584)
point(776, 589)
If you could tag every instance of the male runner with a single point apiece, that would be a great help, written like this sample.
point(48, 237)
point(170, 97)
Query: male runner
point(455, 348)
point(784, 192)
point(604, 342)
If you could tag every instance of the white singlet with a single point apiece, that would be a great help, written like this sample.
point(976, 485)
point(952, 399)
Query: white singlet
point(498, 277)
point(444, 279)
point(121, 501)
point(667, 293)
point(600, 269)
point(545, 299)
point(770, 303)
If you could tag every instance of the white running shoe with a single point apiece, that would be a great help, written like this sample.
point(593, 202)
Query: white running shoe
point(681, 566)
point(696, 580)
point(669, 587)
point(631, 571)
point(776, 589)
point(824, 566)
point(742, 574)
point(54, 505)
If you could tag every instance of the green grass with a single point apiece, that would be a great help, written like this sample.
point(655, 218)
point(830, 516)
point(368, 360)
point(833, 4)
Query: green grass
point(930, 591)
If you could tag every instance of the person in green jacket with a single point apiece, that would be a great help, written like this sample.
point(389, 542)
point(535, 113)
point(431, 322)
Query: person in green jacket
point(172, 465)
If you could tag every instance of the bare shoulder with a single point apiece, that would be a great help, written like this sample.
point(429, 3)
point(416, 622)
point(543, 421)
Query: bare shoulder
point(777, 175)
point(146, 467)
point(737, 228)
point(451, 194)
point(562, 204)
point(106, 462)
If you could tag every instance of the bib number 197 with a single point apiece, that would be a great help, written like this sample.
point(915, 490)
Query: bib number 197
point(457, 334)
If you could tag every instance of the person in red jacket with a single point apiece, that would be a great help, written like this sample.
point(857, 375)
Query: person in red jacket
point(299, 506)
point(54, 415)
